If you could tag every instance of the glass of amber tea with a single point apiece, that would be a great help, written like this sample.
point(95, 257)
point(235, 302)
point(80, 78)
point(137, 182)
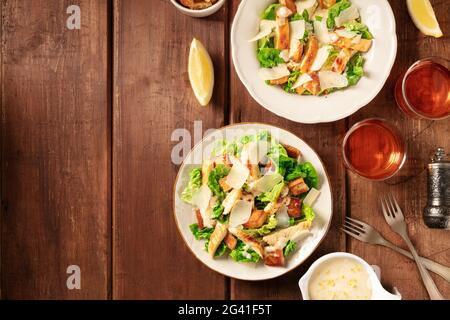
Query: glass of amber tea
point(423, 91)
point(374, 149)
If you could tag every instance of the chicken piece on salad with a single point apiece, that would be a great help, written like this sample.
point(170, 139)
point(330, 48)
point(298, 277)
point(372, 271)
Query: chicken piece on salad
point(312, 47)
point(252, 199)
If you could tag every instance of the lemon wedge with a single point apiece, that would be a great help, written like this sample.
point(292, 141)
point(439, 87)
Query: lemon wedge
point(201, 72)
point(422, 14)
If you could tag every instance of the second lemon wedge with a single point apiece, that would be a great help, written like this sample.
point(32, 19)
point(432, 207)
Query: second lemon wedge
point(201, 72)
point(422, 14)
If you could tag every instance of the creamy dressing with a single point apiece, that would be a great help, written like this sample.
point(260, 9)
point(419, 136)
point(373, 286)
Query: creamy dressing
point(340, 279)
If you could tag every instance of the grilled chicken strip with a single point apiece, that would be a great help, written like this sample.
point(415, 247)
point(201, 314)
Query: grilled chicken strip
point(287, 233)
point(342, 59)
point(363, 45)
point(230, 241)
point(282, 34)
point(279, 81)
point(297, 56)
point(325, 4)
point(290, 4)
point(247, 239)
point(219, 233)
point(230, 200)
point(313, 86)
point(311, 51)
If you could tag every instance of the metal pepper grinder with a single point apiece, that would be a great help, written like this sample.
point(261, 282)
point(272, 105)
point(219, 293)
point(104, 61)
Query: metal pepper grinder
point(437, 212)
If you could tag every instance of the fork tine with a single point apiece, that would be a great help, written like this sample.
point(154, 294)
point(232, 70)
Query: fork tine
point(363, 225)
point(353, 225)
point(398, 211)
point(384, 209)
point(354, 235)
point(355, 229)
point(392, 210)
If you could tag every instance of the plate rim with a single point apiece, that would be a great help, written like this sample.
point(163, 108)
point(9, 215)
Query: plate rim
point(344, 115)
point(327, 229)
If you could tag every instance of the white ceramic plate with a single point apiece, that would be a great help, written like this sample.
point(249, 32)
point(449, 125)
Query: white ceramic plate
point(225, 265)
point(376, 14)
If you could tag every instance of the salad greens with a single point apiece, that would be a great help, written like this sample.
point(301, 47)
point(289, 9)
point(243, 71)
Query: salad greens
point(307, 215)
point(271, 12)
point(355, 69)
point(201, 234)
point(239, 254)
point(266, 228)
point(290, 247)
point(246, 241)
point(335, 10)
point(360, 28)
point(195, 181)
point(285, 55)
point(269, 57)
point(218, 173)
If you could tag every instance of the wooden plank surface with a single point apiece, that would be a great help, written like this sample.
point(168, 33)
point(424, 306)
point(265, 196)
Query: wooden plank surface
point(55, 190)
point(152, 98)
point(324, 139)
point(410, 185)
point(67, 198)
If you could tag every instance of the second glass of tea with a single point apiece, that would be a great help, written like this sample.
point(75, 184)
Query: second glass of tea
point(423, 91)
point(374, 149)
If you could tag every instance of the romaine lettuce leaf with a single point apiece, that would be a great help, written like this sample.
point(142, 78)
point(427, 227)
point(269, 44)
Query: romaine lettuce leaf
point(306, 171)
point(269, 57)
point(292, 79)
point(220, 250)
point(355, 69)
point(271, 12)
point(297, 16)
point(272, 195)
point(290, 247)
point(195, 182)
point(360, 28)
point(201, 234)
point(238, 254)
point(264, 229)
point(282, 161)
point(215, 175)
point(307, 215)
point(335, 10)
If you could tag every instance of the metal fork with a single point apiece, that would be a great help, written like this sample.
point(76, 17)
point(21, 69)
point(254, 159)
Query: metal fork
point(366, 233)
point(394, 217)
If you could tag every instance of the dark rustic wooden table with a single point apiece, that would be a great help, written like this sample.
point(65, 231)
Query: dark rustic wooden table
point(86, 172)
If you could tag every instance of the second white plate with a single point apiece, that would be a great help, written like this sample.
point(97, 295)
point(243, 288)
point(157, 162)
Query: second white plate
point(376, 14)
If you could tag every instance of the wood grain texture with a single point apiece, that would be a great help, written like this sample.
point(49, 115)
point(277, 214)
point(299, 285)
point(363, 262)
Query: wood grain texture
point(55, 190)
point(152, 98)
point(325, 140)
point(410, 185)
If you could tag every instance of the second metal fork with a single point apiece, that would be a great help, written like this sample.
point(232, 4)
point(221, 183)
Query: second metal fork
point(394, 217)
point(366, 233)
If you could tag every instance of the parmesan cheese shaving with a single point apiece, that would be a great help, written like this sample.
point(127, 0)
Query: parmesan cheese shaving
point(304, 78)
point(274, 73)
point(240, 213)
point(349, 14)
point(321, 58)
point(238, 175)
point(311, 197)
point(330, 79)
point(321, 31)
